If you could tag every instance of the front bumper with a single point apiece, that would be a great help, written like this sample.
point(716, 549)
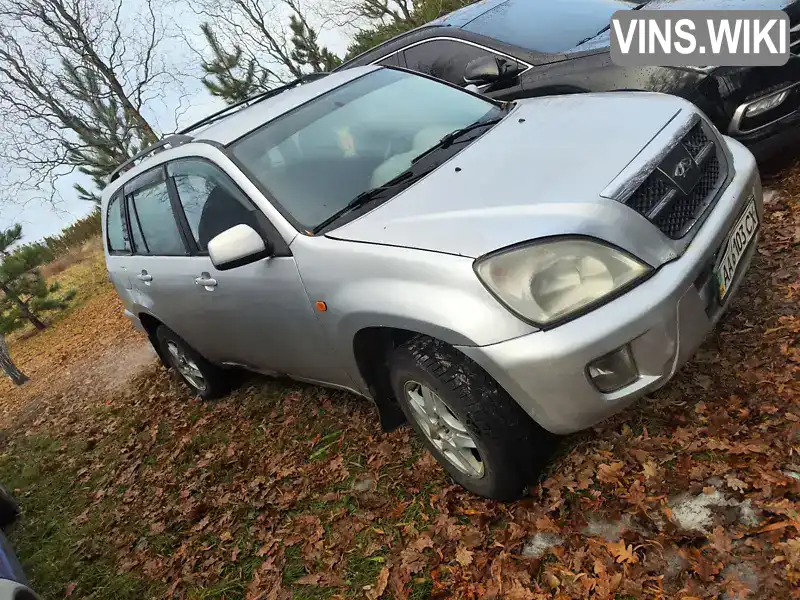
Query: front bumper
point(768, 142)
point(664, 320)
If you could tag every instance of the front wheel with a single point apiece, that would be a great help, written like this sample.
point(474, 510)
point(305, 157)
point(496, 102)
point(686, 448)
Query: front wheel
point(476, 431)
point(203, 378)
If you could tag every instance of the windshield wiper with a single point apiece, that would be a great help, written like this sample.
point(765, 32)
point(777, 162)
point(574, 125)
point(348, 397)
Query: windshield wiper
point(406, 177)
point(368, 196)
point(451, 137)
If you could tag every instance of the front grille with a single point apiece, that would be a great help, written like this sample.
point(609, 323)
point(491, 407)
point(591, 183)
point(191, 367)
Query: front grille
point(695, 140)
point(686, 207)
point(649, 194)
point(661, 199)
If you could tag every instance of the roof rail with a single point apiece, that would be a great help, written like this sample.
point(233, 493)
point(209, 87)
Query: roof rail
point(171, 141)
point(212, 118)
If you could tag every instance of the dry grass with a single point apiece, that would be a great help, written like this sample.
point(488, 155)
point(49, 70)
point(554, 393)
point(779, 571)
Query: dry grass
point(74, 256)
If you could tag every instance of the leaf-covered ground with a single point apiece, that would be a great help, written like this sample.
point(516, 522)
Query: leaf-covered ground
point(130, 490)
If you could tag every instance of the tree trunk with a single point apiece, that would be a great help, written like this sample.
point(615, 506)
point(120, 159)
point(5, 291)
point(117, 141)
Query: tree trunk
point(8, 367)
point(23, 308)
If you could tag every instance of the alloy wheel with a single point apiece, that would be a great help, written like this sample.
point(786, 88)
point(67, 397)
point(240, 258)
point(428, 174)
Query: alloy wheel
point(186, 366)
point(444, 429)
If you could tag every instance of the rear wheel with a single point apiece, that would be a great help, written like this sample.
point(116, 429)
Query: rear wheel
point(9, 511)
point(484, 440)
point(203, 378)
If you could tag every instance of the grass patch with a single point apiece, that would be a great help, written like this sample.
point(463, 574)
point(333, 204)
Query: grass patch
point(54, 545)
point(421, 589)
point(295, 567)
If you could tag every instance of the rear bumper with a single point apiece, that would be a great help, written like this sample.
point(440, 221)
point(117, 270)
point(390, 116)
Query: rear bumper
point(664, 320)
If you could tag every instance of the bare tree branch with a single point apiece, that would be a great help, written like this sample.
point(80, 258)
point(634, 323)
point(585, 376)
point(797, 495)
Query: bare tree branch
point(75, 79)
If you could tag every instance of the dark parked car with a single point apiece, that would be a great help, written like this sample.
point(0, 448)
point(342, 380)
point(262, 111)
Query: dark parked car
point(516, 49)
point(13, 584)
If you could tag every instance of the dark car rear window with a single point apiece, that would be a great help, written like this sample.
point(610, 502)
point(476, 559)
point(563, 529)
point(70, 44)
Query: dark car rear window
point(549, 26)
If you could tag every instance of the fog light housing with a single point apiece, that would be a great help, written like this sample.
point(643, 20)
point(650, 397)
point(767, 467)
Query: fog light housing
point(767, 103)
point(613, 371)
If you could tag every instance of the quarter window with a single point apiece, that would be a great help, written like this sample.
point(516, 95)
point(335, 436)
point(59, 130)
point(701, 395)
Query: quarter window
point(444, 59)
point(393, 60)
point(115, 227)
point(155, 230)
point(211, 201)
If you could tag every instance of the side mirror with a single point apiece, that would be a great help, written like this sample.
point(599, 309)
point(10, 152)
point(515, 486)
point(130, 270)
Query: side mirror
point(237, 246)
point(483, 70)
point(489, 69)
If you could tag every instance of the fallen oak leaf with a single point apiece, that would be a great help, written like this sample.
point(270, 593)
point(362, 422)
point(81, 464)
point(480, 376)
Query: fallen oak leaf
point(376, 591)
point(464, 556)
point(735, 483)
point(610, 473)
point(412, 561)
point(650, 469)
point(422, 542)
point(621, 552)
point(311, 579)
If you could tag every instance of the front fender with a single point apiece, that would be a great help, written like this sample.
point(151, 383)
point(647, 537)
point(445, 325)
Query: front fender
point(372, 285)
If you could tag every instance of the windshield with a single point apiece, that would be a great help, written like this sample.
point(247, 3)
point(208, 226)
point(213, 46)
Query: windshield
point(319, 157)
point(549, 26)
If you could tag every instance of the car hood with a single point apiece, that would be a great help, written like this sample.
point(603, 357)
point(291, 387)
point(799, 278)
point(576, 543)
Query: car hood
point(539, 172)
point(603, 40)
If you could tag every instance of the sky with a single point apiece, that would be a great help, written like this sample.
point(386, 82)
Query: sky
point(39, 218)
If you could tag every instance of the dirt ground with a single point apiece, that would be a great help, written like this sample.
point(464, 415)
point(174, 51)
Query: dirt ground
point(130, 489)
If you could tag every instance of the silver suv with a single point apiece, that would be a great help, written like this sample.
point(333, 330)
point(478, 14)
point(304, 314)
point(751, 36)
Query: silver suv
point(493, 273)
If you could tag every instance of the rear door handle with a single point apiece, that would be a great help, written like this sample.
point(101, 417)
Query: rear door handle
point(144, 276)
point(206, 281)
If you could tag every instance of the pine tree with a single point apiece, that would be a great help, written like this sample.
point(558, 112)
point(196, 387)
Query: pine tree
point(26, 295)
point(390, 18)
point(108, 138)
point(307, 50)
point(225, 74)
point(8, 366)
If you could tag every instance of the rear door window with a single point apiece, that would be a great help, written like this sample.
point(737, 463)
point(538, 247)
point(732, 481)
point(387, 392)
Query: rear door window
point(116, 230)
point(155, 230)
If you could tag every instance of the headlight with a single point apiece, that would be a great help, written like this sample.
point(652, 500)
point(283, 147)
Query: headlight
point(548, 281)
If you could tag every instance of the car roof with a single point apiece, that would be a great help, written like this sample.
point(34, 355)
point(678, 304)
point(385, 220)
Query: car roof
point(249, 118)
point(462, 16)
point(239, 123)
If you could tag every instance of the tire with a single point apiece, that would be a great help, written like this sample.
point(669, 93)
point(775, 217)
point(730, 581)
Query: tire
point(212, 381)
point(510, 449)
point(9, 510)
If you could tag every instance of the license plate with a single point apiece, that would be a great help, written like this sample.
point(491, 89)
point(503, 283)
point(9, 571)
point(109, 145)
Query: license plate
point(735, 246)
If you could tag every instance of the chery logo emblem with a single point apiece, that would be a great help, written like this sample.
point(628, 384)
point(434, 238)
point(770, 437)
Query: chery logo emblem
point(683, 167)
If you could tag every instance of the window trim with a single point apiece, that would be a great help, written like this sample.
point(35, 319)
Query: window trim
point(154, 176)
point(118, 196)
point(444, 38)
point(266, 229)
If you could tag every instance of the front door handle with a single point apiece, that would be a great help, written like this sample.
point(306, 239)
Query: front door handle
point(144, 276)
point(206, 281)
